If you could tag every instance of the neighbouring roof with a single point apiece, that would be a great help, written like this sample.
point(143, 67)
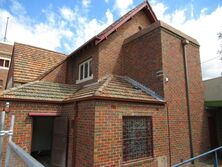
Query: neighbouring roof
point(114, 26)
point(6, 48)
point(111, 87)
point(31, 62)
point(213, 92)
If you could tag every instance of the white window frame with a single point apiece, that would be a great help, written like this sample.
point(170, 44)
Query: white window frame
point(79, 72)
point(4, 59)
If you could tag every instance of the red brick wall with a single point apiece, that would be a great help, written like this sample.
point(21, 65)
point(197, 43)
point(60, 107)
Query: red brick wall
point(85, 134)
point(198, 115)
point(175, 95)
point(142, 59)
point(110, 59)
point(160, 49)
point(108, 132)
point(57, 75)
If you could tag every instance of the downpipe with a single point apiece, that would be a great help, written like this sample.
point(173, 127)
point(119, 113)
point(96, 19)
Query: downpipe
point(185, 42)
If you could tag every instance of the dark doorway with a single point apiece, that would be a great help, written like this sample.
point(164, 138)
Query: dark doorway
point(213, 132)
point(42, 138)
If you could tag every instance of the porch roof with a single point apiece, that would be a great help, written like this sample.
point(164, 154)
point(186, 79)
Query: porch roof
point(216, 103)
point(110, 87)
point(40, 90)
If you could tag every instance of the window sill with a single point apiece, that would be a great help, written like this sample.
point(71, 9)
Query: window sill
point(136, 161)
point(84, 80)
point(4, 68)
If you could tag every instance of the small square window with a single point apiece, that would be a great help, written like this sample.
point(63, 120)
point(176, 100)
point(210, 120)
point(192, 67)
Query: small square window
point(85, 71)
point(137, 138)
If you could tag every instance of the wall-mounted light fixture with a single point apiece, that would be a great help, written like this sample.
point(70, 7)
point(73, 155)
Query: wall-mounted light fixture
point(160, 74)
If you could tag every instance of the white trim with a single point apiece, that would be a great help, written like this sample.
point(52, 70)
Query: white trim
point(4, 68)
point(85, 79)
point(4, 60)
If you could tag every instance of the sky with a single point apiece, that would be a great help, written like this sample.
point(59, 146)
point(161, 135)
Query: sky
point(64, 25)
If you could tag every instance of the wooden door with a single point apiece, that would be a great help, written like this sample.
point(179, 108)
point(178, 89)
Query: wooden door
point(213, 132)
point(59, 143)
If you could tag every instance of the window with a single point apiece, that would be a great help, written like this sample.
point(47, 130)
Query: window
point(1, 83)
point(85, 71)
point(4, 63)
point(137, 138)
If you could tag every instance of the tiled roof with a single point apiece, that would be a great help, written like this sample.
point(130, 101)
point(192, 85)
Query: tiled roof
point(110, 87)
point(6, 48)
point(40, 90)
point(31, 62)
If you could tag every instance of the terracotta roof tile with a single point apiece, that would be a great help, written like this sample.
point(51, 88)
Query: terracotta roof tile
point(6, 48)
point(30, 62)
point(111, 87)
point(40, 90)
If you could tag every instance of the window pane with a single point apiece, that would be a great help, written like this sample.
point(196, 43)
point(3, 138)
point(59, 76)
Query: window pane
point(90, 68)
point(1, 83)
point(1, 62)
point(6, 63)
point(137, 137)
point(81, 72)
point(86, 70)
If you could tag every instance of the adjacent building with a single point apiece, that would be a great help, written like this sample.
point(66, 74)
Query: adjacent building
point(5, 60)
point(213, 103)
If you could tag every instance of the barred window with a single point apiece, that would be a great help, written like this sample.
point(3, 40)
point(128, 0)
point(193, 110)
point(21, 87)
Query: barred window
point(137, 137)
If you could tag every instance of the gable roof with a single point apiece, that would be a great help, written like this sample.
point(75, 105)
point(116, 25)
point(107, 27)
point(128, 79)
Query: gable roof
point(114, 26)
point(6, 48)
point(112, 88)
point(30, 62)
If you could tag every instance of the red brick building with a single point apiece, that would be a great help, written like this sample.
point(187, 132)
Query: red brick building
point(130, 96)
point(5, 59)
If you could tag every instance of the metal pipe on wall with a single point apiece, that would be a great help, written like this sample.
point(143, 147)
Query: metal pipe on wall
point(185, 42)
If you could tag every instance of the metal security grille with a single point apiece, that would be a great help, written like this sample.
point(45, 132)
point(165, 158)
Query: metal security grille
point(137, 137)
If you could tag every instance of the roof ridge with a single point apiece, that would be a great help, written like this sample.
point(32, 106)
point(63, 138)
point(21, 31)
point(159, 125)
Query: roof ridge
point(101, 88)
point(17, 43)
point(118, 22)
point(18, 87)
point(142, 87)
